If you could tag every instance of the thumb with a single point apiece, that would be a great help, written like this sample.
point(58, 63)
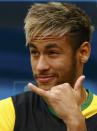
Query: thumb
point(37, 90)
point(79, 82)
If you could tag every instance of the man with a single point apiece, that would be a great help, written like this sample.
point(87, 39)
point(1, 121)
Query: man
point(58, 36)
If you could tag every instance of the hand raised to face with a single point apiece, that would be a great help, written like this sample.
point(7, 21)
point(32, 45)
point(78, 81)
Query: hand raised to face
point(62, 98)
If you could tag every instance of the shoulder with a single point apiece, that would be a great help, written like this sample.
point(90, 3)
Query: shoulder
point(6, 104)
point(25, 98)
point(7, 114)
point(90, 105)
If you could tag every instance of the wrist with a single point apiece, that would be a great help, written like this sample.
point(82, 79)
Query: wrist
point(76, 125)
point(75, 122)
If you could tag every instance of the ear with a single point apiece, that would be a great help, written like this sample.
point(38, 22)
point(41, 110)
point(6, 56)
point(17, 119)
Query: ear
point(85, 50)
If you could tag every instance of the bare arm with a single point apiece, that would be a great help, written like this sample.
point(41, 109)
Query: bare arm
point(76, 122)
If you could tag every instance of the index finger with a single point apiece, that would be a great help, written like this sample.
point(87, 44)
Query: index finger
point(37, 90)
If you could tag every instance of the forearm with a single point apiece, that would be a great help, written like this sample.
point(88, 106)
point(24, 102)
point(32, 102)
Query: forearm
point(76, 123)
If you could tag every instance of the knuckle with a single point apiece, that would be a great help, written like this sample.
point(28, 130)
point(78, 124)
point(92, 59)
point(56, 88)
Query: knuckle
point(66, 84)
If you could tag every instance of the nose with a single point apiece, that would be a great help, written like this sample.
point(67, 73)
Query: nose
point(42, 64)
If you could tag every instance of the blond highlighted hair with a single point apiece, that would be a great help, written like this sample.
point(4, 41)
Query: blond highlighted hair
point(57, 19)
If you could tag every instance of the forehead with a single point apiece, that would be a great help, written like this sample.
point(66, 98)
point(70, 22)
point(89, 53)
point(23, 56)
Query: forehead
point(50, 40)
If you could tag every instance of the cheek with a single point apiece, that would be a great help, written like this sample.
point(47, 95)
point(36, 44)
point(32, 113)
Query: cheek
point(31, 61)
point(33, 64)
point(61, 64)
point(64, 68)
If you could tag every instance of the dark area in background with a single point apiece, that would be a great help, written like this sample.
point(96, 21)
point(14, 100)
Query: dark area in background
point(14, 55)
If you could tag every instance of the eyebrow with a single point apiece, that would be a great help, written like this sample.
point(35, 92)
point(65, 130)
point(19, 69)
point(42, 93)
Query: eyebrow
point(31, 45)
point(48, 46)
point(51, 45)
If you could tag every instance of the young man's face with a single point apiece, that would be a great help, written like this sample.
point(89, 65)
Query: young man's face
point(53, 62)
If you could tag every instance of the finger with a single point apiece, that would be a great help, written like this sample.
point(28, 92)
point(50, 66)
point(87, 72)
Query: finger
point(37, 90)
point(79, 82)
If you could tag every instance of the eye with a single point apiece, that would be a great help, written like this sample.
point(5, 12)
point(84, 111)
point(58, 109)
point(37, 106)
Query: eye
point(34, 53)
point(53, 53)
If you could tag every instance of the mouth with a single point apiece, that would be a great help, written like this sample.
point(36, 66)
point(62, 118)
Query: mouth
point(45, 79)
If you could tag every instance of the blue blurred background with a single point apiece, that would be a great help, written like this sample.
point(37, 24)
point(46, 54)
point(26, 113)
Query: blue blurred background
point(15, 69)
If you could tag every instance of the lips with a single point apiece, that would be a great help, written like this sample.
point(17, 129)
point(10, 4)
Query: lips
point(44, 79)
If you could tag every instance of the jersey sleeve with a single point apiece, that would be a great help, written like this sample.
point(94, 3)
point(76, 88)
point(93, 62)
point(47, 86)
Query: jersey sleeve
point(7, 115)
